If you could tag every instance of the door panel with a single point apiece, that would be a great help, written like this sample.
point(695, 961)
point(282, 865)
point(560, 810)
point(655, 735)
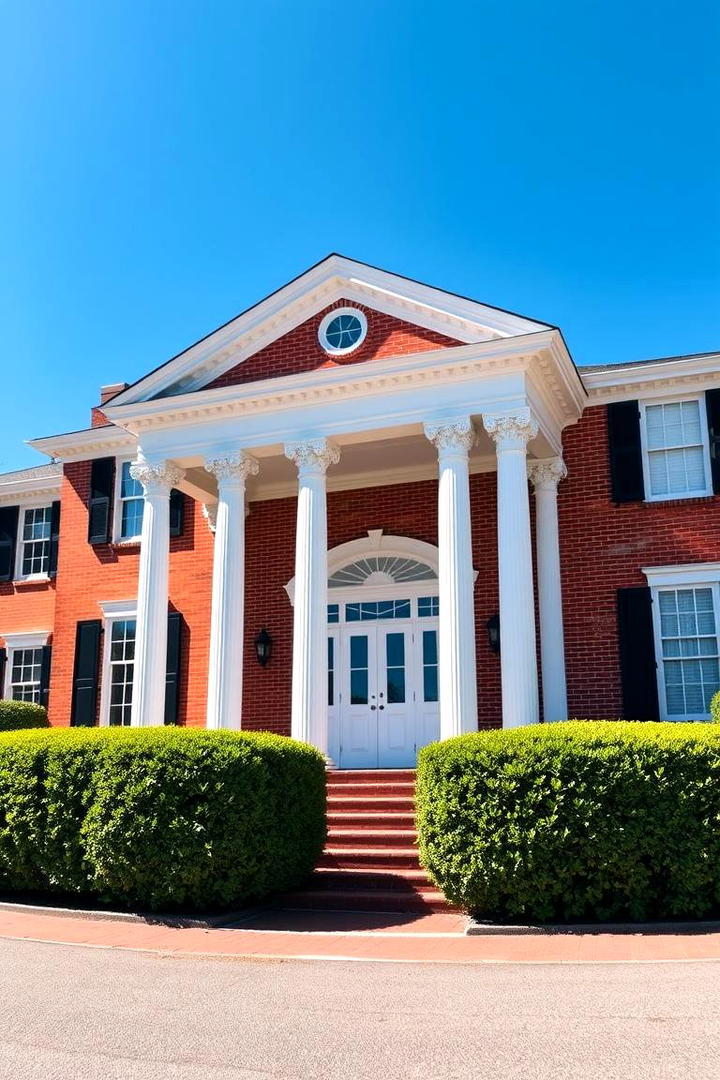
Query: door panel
point(396, 713)
point(358, 707)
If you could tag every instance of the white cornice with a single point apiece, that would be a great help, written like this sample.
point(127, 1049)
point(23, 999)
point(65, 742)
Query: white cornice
point(333, 279)
point(461, 363)
point(29, 489)
point(85, 445)
point(655, 379)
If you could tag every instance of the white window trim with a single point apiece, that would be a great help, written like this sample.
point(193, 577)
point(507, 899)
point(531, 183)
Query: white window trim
point(330, 317)
point(117, 538)
point(113, 611)
point(685, 576)
point(670, 496)
point(20, 543)
point(13, 642)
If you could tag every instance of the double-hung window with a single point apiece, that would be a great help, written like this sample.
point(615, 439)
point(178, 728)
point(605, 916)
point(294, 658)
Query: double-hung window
point(129, 504)
point(118, 663)
point(33, 558)
point(24, 667)
point(686, 619)
point(676, 457)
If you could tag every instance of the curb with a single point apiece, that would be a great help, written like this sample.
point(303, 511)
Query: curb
point(478, 928)
point(208, 922)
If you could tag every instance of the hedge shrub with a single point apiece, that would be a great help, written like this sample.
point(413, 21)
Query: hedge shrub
point(715, 708)
point(575, 821)
point(15, 715)
point(160, 817)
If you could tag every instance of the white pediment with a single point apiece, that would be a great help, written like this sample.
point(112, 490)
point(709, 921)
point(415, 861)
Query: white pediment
point(333, 279)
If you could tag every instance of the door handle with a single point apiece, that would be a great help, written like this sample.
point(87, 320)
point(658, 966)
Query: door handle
point(373, 707)
point(380, 706)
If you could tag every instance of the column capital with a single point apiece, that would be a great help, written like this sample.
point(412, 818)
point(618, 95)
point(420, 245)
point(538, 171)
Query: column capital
point(209, 512)
point(454, 434)
point(313, 455)
point(156, 479)
point(545, 475)
point(510, 431)
point(236, 466)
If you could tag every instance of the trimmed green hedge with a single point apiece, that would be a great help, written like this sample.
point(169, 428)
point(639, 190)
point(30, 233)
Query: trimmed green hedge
point(573, 821)
point(15, 715)
point(158, 817)
point(715, 708)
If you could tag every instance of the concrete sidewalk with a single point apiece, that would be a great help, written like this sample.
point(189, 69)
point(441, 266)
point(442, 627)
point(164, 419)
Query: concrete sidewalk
point(305, 935)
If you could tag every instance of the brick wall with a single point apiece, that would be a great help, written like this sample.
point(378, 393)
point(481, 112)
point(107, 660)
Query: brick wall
point(603, 548)
point(299, 350)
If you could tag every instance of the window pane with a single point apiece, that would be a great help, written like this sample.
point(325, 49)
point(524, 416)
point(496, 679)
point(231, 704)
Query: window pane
point(395, 662)
point(359, 676)
point(430, 671)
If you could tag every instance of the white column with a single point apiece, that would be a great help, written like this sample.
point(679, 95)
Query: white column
point(518, 659)
point(227, 618)
point(309, 721)
point(148, 703)
point(458, 687)
point(545, 476)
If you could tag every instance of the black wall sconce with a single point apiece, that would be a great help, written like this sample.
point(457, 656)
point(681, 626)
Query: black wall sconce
point(493, 632)
point(263, 647)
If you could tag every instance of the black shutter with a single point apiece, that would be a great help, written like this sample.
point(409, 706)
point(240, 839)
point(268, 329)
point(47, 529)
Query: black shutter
point(54, 538)
point(45, 675)
point(102, 482)
point(626, 472)
point(638, 670)
point(712, 404)
point(3, 662)
point(172, 678)
point(177, 512)
point(8, 541)
point(85, 678)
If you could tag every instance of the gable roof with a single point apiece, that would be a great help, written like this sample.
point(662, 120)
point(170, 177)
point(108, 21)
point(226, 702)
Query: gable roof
point(333, 278)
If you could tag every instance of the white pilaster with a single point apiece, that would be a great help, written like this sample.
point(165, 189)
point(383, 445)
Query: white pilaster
point(457, 682)
point(518, 659)
point(148, 704)
point(545, 476)
point(227, 619)
point(309, 721)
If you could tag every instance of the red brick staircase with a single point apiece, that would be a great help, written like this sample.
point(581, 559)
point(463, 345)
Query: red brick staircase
point(370, 861)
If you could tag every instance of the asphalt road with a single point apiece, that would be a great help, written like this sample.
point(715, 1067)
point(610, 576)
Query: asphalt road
point(69, 1013)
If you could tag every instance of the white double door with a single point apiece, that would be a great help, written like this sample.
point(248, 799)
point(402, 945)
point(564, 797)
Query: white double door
point(382, 692)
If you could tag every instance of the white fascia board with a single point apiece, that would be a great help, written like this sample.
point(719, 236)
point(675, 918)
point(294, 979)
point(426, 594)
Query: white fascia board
point(333, 279)
point(30, 490)
point(682, 574)
point(85, 445)
point(652, 380)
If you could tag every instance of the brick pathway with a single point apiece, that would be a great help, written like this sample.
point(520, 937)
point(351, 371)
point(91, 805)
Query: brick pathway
point(434, 938)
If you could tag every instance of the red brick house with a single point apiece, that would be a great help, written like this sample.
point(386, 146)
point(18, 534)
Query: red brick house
point(371, 513)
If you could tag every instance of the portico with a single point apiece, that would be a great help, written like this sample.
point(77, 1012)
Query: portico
point(491, 406)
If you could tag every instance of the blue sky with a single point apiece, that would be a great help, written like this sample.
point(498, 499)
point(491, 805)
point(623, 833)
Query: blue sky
point(167, 164)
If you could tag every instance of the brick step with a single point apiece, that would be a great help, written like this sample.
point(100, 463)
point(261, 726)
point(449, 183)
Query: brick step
point(399, 803)
point(369, 776)
point(427, 900)
point(371, 838)
point(366, 900)
point(405, 879)
point(375, 820)
point(365, 791)
point(379, 858)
